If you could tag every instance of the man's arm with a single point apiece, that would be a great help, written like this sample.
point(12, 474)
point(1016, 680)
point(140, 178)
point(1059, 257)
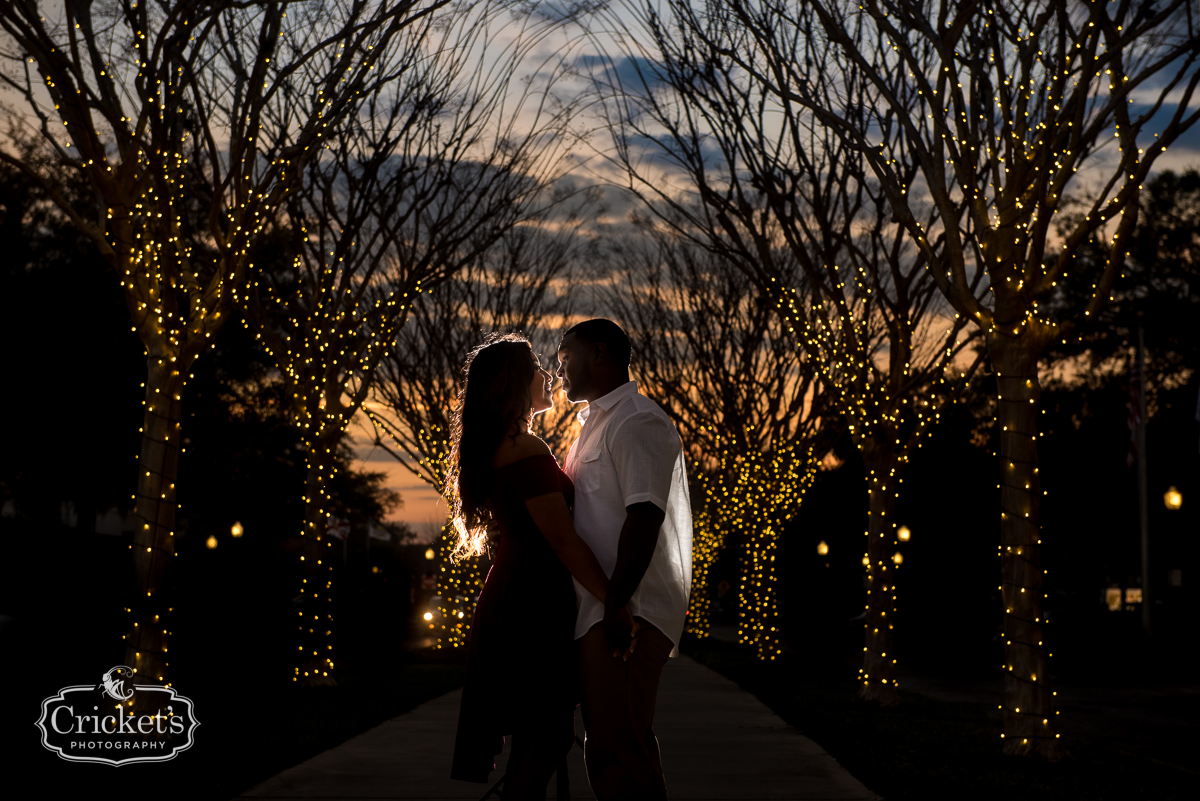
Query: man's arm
point(635, 548)
point(644, 450)
point(639, 538)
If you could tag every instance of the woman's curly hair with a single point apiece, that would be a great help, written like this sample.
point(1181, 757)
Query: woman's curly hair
point(494, 396)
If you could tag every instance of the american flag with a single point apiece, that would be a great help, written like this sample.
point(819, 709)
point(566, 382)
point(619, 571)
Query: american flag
point(1137, 407)
point(339, 528)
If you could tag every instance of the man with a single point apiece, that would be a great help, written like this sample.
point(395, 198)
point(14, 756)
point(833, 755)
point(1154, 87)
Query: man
point(632, 509)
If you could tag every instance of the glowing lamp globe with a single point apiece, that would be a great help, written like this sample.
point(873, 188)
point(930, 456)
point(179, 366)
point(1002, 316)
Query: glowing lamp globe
point(822, 548)
point(236, 529)
point(1173, 498)
point(211, 542)
point(904, 534)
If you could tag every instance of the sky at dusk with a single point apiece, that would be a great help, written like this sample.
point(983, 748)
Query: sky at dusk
point(423, 509)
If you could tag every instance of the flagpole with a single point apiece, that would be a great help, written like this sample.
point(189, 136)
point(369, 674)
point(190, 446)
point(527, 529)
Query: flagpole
point(1143, 495)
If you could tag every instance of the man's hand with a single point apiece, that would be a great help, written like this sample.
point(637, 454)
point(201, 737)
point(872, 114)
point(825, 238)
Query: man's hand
point(621, 630)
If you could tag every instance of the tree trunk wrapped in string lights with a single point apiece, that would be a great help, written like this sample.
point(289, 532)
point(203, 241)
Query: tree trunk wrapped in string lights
point(154, 508)
point(1012, 99)
point(707, 542)
point(753, 495)
point(878, 671)
point(716, 356)
point(1028, 699)
point(753, 179)
point(459, 582)
point(190, 124)
point(518, 285)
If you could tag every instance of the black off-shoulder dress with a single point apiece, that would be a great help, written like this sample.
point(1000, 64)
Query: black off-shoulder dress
point(521, 672)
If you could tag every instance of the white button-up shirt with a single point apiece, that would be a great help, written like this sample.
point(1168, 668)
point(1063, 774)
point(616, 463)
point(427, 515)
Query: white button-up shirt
point(629, 452)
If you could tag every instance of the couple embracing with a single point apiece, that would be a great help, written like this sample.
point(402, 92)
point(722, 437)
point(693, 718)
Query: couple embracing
point(586, 597)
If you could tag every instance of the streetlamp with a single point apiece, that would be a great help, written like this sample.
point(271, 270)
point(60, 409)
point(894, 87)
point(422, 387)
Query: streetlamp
point(236, 529)
point(1173, 498)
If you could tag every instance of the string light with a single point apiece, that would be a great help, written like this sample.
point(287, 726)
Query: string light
point(329, 355)
point(1013, 161)
point(180, 290)
point(753, 493)
point(1011, 158)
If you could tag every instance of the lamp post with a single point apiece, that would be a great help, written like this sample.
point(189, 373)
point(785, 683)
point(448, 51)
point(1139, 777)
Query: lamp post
point(1173, 498)
point(1140, 443)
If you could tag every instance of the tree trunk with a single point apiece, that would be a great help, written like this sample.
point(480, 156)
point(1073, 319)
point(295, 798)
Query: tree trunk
point(878, 674)
point(1029, 728)
point(758, 619)
point(154, 541)
point(458, 585)
point(318, 553)
point(706, 544)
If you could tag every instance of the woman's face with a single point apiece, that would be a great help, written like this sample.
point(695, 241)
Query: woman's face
point(541, 390)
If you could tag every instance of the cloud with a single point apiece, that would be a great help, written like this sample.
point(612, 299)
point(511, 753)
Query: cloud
point(636, 75)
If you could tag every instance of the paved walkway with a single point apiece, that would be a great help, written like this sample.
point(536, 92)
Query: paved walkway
point(1156, 722)
point(717, 741)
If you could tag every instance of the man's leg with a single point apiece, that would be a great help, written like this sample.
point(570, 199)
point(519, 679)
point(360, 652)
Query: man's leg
point(620, 749)
point(536, 753)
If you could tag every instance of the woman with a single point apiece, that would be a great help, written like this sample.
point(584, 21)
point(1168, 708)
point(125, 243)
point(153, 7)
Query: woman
point(521, 675)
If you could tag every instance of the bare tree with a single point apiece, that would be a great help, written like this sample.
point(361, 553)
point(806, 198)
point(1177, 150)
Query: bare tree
point(520, 284)
point(164, 110)
point(1012, 99)
point(427, 175)
point(710, 348)
point(756, 180)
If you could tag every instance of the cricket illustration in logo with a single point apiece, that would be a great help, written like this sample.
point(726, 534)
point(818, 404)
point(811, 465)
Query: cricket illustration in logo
point(114, 683)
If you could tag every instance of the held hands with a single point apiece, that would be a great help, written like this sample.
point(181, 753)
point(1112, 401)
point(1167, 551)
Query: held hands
point(621, 630)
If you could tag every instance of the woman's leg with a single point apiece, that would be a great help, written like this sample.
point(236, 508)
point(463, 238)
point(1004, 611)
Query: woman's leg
point(536, 753)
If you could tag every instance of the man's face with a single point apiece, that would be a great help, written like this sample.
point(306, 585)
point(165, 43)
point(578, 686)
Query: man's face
point(541, 389)
point(575, 367)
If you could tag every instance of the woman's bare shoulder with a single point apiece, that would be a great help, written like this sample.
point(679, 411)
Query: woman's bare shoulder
point(523, 446)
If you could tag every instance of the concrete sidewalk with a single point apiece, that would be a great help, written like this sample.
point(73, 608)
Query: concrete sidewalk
point(717, 742)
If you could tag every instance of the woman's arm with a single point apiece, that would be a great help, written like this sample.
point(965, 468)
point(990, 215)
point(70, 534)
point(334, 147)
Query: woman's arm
point(553, 519)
